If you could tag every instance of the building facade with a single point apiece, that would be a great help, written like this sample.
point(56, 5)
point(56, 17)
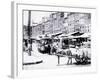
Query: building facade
point(61, 22)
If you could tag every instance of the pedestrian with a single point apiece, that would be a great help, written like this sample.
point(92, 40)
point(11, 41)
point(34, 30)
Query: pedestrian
point(69, 54)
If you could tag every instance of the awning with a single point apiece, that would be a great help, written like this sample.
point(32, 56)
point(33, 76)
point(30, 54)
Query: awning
point(86, 35)
point(77, 34)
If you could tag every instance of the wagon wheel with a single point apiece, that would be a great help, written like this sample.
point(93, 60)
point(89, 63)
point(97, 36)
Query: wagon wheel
point(77, 58)
point(85, 59)
point(82, 59)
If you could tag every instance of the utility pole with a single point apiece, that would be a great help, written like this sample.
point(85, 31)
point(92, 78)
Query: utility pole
point(29, 33)
point(29, 24)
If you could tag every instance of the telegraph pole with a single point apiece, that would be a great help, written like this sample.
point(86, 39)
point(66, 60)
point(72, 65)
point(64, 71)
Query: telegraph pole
point(29, 32)
point(29, 24)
